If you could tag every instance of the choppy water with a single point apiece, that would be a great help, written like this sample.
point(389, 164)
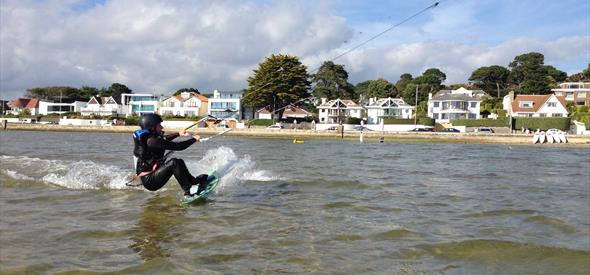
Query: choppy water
point(319, 207)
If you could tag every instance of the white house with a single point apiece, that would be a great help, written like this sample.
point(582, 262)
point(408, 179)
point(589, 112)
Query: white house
point(102, 106)
point(263, 113)
point(139, 104)
point(295, 112)
point(19, 105)
point(577, 92)
point(337, 110)
point(186, 105)
point(225, 104)
point(461, 103)
point(46, 108)
point(381, 108)
point(535, 105)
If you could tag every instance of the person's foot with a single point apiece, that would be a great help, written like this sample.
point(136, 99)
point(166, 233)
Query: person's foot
point(202, 180)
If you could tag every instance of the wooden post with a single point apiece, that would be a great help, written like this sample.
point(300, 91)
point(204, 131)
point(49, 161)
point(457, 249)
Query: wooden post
point(4, 124)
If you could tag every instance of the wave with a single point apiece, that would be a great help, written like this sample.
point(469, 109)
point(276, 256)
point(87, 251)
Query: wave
point(89, 174)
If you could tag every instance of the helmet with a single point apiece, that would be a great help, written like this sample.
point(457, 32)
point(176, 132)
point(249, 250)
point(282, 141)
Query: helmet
point(149, 121)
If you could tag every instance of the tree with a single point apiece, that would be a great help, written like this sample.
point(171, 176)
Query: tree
point(403, 81)
point(586, 73)
point(186, 90)
point(380, 88)
point(56, 94)
point(279, 80)
point(490, 78)
point(115, 90)
point(430, 81)
point(361, 88)
point(555, 74)
point(583, 76)
point(529, 74)
point(332, 82)
point(89, 92)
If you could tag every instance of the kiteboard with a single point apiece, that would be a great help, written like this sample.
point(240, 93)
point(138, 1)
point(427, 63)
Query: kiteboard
point(212, 181)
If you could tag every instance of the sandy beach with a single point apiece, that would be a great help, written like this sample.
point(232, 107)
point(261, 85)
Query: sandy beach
point(470, 138)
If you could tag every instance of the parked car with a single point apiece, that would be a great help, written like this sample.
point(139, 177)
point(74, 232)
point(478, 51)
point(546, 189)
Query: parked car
point(485, 130)
point(333, 128)
point(275, 127)
point(361, 128)
point(426, 129)
point(450, 130)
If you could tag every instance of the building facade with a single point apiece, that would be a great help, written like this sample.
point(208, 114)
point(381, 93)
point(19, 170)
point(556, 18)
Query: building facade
point(226, 104)
point(535, 105)
point(577, 92)
point(102, 106)
point(381, 108)
point(336, 111)
point(139, 104)
point(185, 105)
point(461, 103)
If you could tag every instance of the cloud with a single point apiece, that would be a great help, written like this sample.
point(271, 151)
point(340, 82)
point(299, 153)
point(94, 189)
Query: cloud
point(160, 46)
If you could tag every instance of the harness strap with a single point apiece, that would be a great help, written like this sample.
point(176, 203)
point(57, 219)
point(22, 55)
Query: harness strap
point(145, 173)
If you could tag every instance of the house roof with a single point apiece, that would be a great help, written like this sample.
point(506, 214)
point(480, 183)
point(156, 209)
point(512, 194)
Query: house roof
point(459, 94)
point(102, 100)
point(193, 95)
point(537, 100)
point(264, 110)
point(294, 110)
point(33, 103)
point(19, 102)
point(386, 102)
point(339, 103)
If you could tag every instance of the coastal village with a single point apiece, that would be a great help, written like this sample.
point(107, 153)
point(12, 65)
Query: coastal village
point(372, 114)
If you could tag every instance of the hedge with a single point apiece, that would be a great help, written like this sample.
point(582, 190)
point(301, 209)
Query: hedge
point(391, 120)
point(260, 122)
point(132, 120)
point(426, 121)
point(353, 120)
point(500, 122)
point(543, 123)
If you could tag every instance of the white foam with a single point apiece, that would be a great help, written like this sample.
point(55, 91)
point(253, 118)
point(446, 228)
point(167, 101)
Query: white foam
point(65, 173)
point(231, 169)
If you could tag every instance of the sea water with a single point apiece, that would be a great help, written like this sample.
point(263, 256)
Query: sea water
point(325, 206)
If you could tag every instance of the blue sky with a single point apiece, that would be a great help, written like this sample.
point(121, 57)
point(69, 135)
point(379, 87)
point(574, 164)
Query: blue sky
point(160, 46)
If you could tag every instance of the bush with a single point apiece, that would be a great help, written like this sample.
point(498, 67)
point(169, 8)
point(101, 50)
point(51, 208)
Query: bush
point(543, 123)
point(132, 120)
point(500, 112)
point(353, 120)
point(500, 122)
point(260, 122)
point(581, 109)
point(391, 120)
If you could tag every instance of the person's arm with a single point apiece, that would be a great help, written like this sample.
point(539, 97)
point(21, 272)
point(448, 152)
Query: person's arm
point(162, 143)
point(170, 137)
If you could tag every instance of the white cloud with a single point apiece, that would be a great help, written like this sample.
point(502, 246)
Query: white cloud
point(160, 46)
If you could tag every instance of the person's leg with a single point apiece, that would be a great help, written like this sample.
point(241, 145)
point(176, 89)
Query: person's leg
point(184, 177)
point(157, 179)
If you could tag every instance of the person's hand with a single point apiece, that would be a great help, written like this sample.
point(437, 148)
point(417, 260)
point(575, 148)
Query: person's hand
point(183, 133)
point(197, 138)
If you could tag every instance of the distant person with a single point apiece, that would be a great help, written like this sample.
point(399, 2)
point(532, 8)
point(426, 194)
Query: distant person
point(152, 168)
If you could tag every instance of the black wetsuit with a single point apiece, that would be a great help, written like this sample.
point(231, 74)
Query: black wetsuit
point(150, 149)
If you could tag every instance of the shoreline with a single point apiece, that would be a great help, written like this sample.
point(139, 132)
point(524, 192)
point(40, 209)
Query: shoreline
point(372, 136)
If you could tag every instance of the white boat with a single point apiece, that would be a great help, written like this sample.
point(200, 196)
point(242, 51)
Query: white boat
point(562, 137)
point(542, 137)
point(549, 137)
point(536, 137)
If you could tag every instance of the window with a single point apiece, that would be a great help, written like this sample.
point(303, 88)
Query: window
point(542, 115)
point(556, 115)
point(435, 104)
point(473, 104)
point(526, 104)
point(552, 104)
point(472, 116)
point(323, 110)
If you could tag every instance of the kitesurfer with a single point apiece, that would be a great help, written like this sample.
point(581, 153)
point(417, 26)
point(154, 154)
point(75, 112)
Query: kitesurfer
point(153, 169)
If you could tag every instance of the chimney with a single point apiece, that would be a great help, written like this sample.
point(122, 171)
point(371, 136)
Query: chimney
point(429, 96)
point(323, 100)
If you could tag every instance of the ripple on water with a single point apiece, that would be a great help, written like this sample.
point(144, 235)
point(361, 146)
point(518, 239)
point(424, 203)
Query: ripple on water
point(500, 212)
point(556, 223)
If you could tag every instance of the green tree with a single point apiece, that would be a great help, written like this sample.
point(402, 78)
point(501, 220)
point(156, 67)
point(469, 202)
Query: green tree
point(331, 82)
point(380, 88)
point(490, 78)
point(586, 73)
point(361, 88)
point(279, 80)
point(583, 76)
point(403, 81)
point(115, 90)
point(89, 92)
point(186, 90)
point(555, 74)
point(56, 94)
point(530, 74)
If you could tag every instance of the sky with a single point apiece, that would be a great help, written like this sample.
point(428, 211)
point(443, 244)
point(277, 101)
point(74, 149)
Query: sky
point(158, 47)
